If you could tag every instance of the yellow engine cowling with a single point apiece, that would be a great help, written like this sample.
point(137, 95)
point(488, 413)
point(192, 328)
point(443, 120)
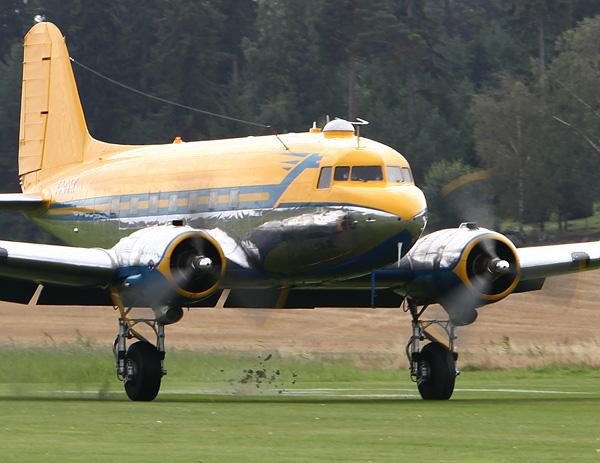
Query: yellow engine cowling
point(166, 266)
point(475, 267)
point(462, 268)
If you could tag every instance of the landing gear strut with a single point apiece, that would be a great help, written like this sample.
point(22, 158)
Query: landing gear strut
point(140, 367)
point(433, 366)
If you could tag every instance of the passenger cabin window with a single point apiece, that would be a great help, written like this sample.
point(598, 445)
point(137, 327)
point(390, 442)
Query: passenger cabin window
point(173, 203)
point(324, 178)
point(234, 198)
point(366, 173)
point(342, 173)
point(399, 174)
point(134, 205)
point(193, 201)
point(213, 200)
point(153, 204)
point(115, 205)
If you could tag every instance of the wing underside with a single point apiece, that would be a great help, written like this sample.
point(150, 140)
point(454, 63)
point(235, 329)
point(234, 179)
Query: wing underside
point(68, 274)
point(63, 275)
point(20, 202)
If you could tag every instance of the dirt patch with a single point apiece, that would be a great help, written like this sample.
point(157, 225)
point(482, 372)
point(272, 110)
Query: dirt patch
point(560, 324)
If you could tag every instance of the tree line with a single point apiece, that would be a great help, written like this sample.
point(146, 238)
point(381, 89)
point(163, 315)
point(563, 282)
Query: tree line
point(495, 103)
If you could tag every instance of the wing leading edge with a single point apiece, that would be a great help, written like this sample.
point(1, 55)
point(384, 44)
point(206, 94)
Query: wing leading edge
point(20, 201)
point(545, 261)
point(61, 265)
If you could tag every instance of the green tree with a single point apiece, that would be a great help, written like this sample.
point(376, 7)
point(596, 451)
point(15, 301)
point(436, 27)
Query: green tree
point(457, 192)
point(509, 132)
point(13, 21)
point(189, 57)
point(284, 82)
point(538, 22)
point(574, 76)
point(13, 226)
point(10, 103)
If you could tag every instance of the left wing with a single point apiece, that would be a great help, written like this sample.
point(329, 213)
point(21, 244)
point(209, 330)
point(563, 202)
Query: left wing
point(545, 261)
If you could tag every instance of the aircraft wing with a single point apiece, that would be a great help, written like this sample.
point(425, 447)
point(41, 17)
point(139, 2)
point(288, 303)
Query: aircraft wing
point(56, 264)
point(20, 201)
point(545, 261)
point(67, 273)
point(161, 263)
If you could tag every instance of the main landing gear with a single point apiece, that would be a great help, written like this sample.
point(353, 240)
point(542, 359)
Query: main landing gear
point(141, 365)
point(432, 366)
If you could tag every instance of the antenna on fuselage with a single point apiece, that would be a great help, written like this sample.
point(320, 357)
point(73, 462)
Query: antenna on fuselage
point(357, 123)
point(277, 136)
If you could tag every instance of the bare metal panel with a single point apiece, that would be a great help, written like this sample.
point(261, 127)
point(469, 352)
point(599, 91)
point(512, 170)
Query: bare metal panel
point(56, 264)
point(545, 261)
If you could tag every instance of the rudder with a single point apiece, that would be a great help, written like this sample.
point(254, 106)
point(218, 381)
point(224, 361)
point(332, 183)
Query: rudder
point(53, 131)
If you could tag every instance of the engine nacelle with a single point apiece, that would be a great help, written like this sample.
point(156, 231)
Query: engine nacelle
point(167, 266)
point(462, 268)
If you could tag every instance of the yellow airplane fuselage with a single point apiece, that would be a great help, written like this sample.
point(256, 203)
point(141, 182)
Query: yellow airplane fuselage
point(252, 192)
point(279, 206)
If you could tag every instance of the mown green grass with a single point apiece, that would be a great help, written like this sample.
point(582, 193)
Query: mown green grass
point(360, 415)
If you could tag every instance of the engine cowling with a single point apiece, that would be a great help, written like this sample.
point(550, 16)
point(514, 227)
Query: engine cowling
point(462, 269)
point(167, 266)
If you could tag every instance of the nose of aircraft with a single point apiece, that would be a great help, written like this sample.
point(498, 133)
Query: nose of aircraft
point(407, 202)
point(404, 201)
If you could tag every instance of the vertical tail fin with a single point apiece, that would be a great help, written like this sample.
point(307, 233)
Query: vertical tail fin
point(53, 130)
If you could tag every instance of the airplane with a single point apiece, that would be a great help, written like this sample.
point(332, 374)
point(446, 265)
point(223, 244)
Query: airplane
point(324, 218)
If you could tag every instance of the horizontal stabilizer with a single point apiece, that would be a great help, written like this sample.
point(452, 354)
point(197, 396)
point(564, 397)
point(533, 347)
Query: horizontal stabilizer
point(20, 201)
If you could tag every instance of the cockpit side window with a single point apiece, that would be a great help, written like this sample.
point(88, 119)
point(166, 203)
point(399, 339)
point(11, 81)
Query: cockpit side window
point(399, 174)
point(366, 173)
point(341, 173)
point(394, 174)
point(324, 178)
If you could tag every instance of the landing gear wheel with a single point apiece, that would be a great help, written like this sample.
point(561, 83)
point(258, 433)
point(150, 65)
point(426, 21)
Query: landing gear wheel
point(437, 372)
point(144, 372)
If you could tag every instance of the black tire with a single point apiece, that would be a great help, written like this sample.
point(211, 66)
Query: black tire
point(439, 372)
point(145, 383)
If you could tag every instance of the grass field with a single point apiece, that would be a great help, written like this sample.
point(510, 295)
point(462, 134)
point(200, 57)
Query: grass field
point(65, 405)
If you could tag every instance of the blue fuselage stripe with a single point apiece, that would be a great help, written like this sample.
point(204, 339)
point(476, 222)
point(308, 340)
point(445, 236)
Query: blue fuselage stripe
point(206, 199)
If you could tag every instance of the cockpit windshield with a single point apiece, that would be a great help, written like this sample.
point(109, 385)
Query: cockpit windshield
point(395, 174)
point(399, 174)
point(366, 173)
point(341, 173)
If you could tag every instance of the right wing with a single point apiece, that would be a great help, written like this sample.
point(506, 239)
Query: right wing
point(21, 201)
point(156, 265)
point(63, 265)
point(67, 273)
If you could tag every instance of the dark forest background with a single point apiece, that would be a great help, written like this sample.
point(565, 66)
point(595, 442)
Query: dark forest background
point(495, 103)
